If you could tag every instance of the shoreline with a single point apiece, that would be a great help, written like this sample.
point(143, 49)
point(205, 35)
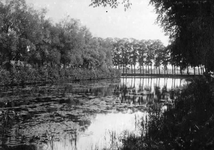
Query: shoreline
point(159, 75)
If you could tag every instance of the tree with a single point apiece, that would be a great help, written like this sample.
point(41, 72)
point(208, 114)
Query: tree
point(126, 51)
point(121, 53)
point(134, 52)
point(156, 47)
point(165, 60)
point(142, 54)
point(116, 54)
point(21, 32)
point(150, 54)
point(190, 24)
point(158, 59)
point(72, 46)
point(106, 50)
point(110, 3)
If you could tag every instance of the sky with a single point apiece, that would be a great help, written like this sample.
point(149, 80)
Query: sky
point(137, 22)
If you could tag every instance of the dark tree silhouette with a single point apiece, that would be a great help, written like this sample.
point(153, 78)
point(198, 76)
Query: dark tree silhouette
point(190, 24)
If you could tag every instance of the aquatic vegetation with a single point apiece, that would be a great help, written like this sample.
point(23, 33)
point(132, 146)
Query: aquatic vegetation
point(55, 114)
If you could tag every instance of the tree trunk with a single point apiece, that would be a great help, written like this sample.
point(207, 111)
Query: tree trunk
point(194, 70)
point(181, 71)
point(150, 69)
point(171, 70)
point(143, 69)
point(123, 68)
point(198, 70)
point(147, 69)
point(132, 69)
point(202, 70)
point(187, 70)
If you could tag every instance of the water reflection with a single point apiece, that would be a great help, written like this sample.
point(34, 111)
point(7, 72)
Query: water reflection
point(106, 131)
point(139, 91)
point(150, 82)
point(85, 115)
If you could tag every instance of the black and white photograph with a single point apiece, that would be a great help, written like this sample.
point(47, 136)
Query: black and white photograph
point(106, 74)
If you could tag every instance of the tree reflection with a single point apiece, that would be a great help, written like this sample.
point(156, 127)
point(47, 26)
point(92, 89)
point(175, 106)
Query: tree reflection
point(147, 90)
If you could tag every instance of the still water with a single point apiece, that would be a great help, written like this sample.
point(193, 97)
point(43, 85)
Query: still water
point(82, 116)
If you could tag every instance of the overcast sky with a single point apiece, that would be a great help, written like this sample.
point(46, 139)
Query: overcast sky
point(137, 22)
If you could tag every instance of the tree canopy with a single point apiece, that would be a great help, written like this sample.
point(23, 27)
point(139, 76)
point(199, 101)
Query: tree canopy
point(27, 36)
point(190, 25)
point(111, 3)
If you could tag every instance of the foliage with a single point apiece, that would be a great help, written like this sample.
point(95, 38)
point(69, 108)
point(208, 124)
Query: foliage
point(130, 52)
point(33, 48)
point(111, 3)
point(190, 26)
point(28, 39)
point(22, 76)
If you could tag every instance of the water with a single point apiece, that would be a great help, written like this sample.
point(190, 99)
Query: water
point(105, 131)
point(82, 116)
point(151, 82)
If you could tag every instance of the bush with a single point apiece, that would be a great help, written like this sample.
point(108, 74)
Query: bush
point(4, 77)
point(20, 75)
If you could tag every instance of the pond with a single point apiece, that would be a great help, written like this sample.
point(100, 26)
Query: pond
point(83, 115)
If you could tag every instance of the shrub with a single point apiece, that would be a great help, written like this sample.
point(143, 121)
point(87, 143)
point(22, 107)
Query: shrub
point(4, 76)
point(21, 74)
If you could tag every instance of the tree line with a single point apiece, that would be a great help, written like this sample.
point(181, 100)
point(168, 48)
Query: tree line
point(28, 39)
point(25, 35)
point(148, 57)
point(67, 48)
point(189, 25)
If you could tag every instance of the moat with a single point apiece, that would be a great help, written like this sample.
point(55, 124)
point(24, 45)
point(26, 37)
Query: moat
point(82, 115)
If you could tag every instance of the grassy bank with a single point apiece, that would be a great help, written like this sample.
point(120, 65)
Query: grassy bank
point(187, 125)
point(24, 75)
